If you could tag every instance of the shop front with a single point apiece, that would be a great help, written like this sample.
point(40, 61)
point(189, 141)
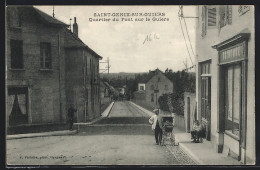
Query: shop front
point(232, 115)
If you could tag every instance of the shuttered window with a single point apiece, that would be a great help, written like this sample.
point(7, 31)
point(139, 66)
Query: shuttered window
point(212, 19)
point(229, 12)
point(203, 21)
point(225, 15)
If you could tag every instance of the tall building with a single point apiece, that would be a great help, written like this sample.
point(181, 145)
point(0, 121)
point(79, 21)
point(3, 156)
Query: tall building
point(82, 76)
point(225, 78)
point(42, 59)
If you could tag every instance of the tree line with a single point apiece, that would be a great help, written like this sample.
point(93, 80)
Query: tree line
point(182, 82)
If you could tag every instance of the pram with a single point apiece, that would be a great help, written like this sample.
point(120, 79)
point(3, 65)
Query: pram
point(168, 124)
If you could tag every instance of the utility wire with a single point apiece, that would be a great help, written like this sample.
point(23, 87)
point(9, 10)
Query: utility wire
point(184, 35)
point(188, 36)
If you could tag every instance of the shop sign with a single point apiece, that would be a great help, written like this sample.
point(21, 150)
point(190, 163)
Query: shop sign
point(232, 54)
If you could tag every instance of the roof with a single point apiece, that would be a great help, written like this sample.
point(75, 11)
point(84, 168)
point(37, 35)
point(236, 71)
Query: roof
point(47, 18)
point(150, 75)
point(73, 41)
point(106, 83)
point(30, 11)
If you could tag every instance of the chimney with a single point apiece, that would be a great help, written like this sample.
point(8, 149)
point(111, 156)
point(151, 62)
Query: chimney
point(75, 27)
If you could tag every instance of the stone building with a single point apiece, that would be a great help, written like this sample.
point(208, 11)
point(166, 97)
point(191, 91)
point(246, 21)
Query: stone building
point(155, 85)
point(35, 66)
point(225, 78)
point(38, 64)
point(82, 76)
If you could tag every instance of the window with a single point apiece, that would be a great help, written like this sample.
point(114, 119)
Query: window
point(45, 55)
point(225, 15)
point(17, 102)
point(141, 87)
point(16, 54)
point(212, 19)
point(208, 18)
point(205, 89)
point(205, 68)
point(152, 97)
point(152, 87)
point(233, 98)
point(159, 79)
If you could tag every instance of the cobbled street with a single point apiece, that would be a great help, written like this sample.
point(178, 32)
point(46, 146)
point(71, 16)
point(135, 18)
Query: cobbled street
point(123, 138)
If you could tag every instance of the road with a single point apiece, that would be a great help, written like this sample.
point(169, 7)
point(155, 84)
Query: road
point(123, 138)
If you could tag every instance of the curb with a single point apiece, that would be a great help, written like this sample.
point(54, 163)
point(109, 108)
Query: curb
point(57, 133)
point(32, 135)
point(192, 156)
point(104, 115)
point(149, 113)
point(111, 107)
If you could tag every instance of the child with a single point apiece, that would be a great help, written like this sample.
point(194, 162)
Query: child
point(195, 133)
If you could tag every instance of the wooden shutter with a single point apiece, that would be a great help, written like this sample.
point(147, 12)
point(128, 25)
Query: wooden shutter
point(203, 21)
point(229, 14)
point(222, 11)
point(212, 19)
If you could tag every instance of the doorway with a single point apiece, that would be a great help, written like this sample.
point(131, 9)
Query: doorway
point(206, 105)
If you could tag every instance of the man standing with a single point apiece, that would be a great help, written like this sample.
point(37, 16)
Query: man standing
point(156, 122)
point(71, 115)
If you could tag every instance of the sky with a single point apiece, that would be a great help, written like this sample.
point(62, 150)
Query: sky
point(125, 43)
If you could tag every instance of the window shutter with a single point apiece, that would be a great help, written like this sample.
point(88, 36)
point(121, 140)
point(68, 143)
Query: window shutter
point(212, 21)
point(221, 16)
point(203, 21)
point(229, 14)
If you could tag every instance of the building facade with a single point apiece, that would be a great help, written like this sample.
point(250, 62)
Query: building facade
point(44, 75)
point(35, 91)
point(82, 76)
point(225, 78)
point(152, 88)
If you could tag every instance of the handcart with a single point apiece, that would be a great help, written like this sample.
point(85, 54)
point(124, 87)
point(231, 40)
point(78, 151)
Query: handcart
point(168, 124)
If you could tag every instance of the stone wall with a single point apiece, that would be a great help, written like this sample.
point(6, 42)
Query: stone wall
point(46, 95)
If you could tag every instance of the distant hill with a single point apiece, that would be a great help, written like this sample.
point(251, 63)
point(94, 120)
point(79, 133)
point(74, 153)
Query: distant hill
point(120, 75)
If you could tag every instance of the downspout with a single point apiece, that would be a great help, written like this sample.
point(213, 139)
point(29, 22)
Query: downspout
point(59, 76)
point(84, 83)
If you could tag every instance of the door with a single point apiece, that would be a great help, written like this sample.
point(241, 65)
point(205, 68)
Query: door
point(233, 102)
point(188, 114)
point(206, 105)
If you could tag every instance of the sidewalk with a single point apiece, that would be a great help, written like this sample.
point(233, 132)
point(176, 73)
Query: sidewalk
point(201, 153)
point(60, 133)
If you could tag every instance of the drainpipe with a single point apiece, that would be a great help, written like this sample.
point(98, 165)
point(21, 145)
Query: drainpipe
point(59, 76)
point(84, 83)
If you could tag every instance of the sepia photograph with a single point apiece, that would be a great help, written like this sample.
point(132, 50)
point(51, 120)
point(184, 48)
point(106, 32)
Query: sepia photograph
point(98, 85)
